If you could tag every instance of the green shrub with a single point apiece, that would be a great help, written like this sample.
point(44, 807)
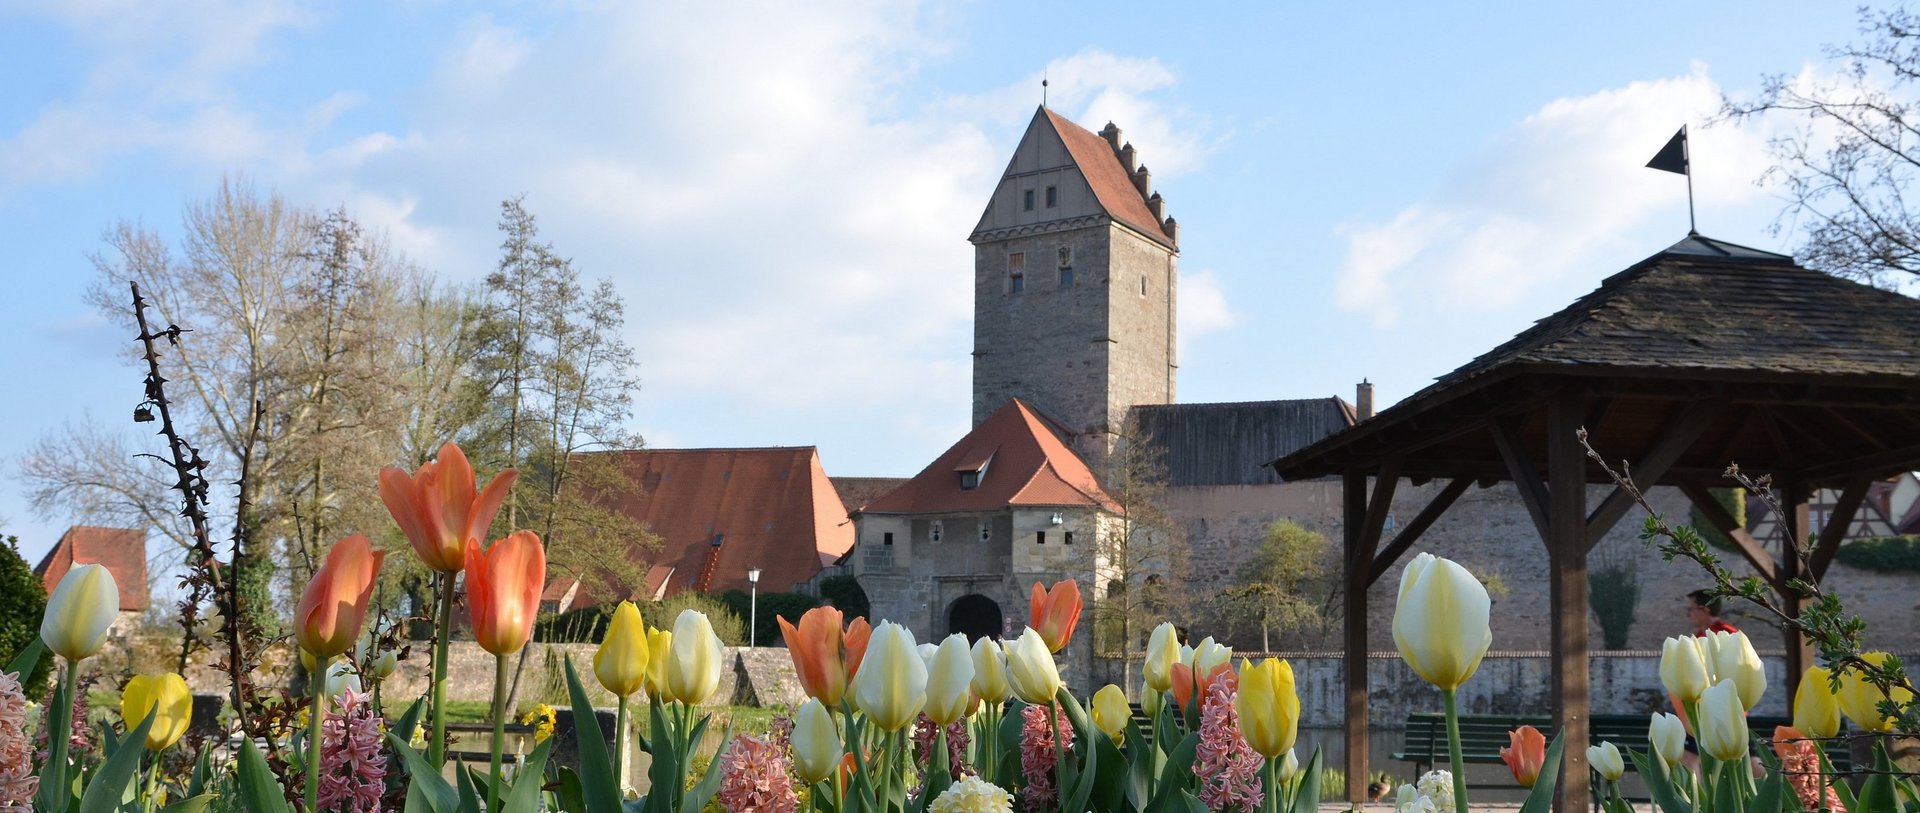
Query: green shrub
point(22, 602)
point(587, 625)
point(731, 628)
point(1732, 499)
point(580, 625)
point(772, 605)
point(846, 593)
point(1883, 553)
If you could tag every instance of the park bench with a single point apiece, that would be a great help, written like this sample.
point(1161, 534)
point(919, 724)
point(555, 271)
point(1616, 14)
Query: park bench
point(1483, 735)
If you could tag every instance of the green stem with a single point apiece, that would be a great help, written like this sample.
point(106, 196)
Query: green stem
point(57, 771)
point(1453, 753)
point(619, 746)
point(315, 716)
point(494, 779)
point(1273, 788)
point(153, 775)
point(442, 632)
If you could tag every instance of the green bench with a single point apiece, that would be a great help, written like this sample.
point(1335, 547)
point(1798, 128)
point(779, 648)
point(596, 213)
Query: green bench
point(1483, 735)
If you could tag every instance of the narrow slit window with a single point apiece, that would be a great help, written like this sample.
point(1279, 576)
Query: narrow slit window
point(886, 538)
point(1026, 200)
point(1016, 272)
point(1066, 537)
point(1053, 196)
point(1039, 537)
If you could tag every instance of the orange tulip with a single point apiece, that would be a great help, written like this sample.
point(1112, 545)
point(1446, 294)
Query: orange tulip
point(819, 649)
point(1055, 612)
point(1526, 754)
point(438, 508)
point(503, 590)
point(327, 621)
point(1186, 687)
point(858, 633)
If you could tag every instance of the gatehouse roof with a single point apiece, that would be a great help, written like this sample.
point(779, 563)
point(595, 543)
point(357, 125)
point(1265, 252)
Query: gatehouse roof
point(1019, 459)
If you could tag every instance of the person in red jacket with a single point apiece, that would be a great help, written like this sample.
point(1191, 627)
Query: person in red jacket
point(1703, 612)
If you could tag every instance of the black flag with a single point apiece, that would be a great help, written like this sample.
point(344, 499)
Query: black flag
point(1673, 157)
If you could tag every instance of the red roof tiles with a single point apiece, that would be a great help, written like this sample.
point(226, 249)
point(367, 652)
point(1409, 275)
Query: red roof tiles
point(720, 512)
point(1030, 465)
point(122, 550)
point(1112, 183)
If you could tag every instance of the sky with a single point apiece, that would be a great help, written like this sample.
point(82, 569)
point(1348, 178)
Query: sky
point(782, 192)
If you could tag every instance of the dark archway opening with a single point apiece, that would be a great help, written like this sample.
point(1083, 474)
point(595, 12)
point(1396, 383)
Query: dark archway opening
point(974, 616)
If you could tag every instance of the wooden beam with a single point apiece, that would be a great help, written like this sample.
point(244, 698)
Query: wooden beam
point(1354, 662)
point(1681, 432)
point(1795, 527)
point(1526, 479)
point(1405, 538)
point(1750, 548)
point(1874, 440)
point(1782, 450)
point(1567, 557)
point(1838, 523)
point(1822, 446)
point(1725, 454)
point(1886, 462)
point(1378, 507)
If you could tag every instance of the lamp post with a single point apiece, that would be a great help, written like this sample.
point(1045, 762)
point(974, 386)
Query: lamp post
point(753, 607)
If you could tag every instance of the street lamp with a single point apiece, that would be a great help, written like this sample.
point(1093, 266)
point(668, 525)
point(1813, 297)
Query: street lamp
point(753, 607)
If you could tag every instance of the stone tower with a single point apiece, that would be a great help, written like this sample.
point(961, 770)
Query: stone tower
point(1074, 276)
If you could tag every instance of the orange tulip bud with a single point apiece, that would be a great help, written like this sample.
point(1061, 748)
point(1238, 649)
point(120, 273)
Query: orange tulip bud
point(1187, 687)
point(438, 508)
point(1054, 613)
point(858, 633)
point(503, 590)
point(327, 621)
point(1526, 755)
point(819, 647)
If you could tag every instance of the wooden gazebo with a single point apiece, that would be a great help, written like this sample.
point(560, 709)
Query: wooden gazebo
point(1702, 355)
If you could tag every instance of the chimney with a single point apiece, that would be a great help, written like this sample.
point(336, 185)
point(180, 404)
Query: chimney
point(1173, 230)
point(1363, 401)
point(1127, 157)
point(1143, 181)
point(1112, 135)
point(1154, 205)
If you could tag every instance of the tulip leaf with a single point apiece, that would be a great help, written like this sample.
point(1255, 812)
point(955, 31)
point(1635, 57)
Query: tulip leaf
point(1653, 771)
point(469, 795)
point(56, 788)
point(196, 803)
point(1110, 776)
point(1768, 795)
point(1726, 788)
point(598, 785)
point(1192, 804)
point(524, 797)
point(1139, 768)
point(567, 793)
point(1306, 797)
point(409, 721)
point(1540, 799)
point(1176, 775)
point(1876, 794)
point(259, 788)
point(202, 773)
point(425, 786)
point(700, 794)
point(23, 663)
point(108, 787)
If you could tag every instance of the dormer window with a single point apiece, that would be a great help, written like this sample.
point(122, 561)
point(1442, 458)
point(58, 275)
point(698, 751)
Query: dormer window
point(973, 467)
point(969, 480)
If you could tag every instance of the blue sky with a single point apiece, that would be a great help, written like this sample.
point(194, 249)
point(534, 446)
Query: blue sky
point(783, 192)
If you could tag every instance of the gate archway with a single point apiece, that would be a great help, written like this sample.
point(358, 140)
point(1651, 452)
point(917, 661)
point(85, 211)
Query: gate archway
point(975, 616)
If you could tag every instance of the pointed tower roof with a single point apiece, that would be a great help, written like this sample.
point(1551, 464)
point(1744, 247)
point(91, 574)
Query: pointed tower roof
point(1111, 182)
point(1019, 459)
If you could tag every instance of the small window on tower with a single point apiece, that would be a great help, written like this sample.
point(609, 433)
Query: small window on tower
point(1039, 537)
point(1053, 196)
point(1016, 272)
point(1027, 200)
point(986, 530)
point(1143, 285)
point(1068, 537)
point(934, 532)
point(886, 538)
point(1066, 266)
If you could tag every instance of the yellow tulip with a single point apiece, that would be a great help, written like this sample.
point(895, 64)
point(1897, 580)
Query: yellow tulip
point(990, 672)
point(1605, 758)
point(167, 698)
point(1031, 670)
point(659, 644)
point(1731, 657)
point(1683, 668)
point(1668, 736)
point(1860, 700)
point(950, 681)
point(79, 612)
point(1111, 712)
point(891, 686)
point(1269, 707)
point(1441, 621)
point(815, 741)
point(1816, 712)
point(1163, 651)
point(693, 661)
point(1722, 723)
point(621, 661)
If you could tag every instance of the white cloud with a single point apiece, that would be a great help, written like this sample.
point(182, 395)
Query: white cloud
point(1546, 195)
point(1203, 306)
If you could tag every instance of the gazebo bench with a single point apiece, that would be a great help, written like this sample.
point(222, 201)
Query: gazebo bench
point(1483, 735)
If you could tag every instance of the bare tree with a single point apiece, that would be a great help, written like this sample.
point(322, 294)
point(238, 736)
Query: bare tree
point(1141, 558)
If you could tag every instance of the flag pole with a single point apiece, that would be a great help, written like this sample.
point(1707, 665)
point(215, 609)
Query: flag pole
point(1687, 147)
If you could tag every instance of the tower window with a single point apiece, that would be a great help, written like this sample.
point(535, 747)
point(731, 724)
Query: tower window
point(1016, 272)
point(1066, 266)
point(886, 538)
point(1143, 285)
point(1053, 196)
point(934, 532)
point(1039, 537)
point(1067, 537)
point(1027, 200)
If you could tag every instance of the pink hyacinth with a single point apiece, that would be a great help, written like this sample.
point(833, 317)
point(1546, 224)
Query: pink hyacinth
point(1038, 759)
point(1229, 770)
point(17, 782)
point(1800, 761)
point(753, 777)
point(957, 741)
point(352, 768)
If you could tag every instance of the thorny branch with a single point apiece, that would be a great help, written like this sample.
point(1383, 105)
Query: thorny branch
point(1823, 621)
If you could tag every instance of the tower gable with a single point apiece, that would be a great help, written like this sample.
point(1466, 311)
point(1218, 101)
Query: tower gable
point(1064, 177)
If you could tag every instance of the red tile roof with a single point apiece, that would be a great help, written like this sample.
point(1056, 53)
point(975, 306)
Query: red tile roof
point(770, 508)
point(122, 550)
point(856, 492)
point(1112, 183)
point(1030, 466)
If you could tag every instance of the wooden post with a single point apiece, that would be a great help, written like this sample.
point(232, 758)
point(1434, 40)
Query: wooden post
point(1567, 560)
point(1796, 527)
point(1358, 564)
